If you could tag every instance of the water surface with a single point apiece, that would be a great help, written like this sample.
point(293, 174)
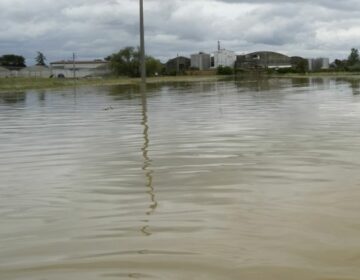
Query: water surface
point(248, 179)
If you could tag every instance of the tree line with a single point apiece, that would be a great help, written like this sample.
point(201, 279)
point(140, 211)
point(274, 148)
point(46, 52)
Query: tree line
point(126, 62)
point(18, 61)
point(351, 64)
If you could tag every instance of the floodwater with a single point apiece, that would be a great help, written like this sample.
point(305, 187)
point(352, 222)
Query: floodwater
point(247, 179)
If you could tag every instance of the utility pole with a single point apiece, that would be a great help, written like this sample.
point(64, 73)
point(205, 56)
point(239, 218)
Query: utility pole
point(74, 73)
point(142, 44)
point(177, 65)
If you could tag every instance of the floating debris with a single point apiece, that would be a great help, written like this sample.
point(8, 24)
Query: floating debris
point(109, 108)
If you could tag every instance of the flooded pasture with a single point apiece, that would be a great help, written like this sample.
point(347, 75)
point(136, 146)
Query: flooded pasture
point(247, 179)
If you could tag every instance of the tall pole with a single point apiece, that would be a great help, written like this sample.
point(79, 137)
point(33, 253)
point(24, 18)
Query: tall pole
point(74, 73)
point(142, 44)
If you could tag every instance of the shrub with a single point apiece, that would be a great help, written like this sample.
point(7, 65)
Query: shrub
point(221, 70)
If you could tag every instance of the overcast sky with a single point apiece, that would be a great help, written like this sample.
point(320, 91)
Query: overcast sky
point(94, 29)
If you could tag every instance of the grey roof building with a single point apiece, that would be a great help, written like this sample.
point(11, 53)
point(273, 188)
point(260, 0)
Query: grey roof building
point(177, 65)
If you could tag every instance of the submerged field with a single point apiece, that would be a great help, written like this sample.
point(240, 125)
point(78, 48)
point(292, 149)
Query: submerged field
point(19, 84)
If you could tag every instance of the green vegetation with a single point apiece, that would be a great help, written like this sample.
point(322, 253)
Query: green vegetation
point(126, 63)
point(224, 70)
point(40, 59)
point(353, 62)
point(299, 65)
point(12, 60)
point(353, 57)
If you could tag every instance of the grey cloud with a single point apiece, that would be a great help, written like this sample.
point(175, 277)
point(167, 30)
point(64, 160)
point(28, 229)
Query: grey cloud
point(94, 29)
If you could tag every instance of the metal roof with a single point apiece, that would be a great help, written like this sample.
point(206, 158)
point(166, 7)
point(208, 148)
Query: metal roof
point(80, 62)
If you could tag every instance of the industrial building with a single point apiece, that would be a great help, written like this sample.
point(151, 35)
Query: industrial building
point(80, 69)
point(223, 57)
point(178, 65)
point(317, 64)
point(263, 60)
point(200, 61)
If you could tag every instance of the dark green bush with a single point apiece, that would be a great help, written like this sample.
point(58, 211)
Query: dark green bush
point(221, 70)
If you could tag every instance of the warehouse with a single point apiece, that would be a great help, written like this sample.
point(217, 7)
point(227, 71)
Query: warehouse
point(263, 60)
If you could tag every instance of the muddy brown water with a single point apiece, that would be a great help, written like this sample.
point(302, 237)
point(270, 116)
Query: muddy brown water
point(249, 179)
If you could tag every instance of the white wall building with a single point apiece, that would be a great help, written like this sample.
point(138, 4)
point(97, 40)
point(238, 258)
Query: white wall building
point(80, 69)
point(224, 58)
point(36, 71)
point(4, 73)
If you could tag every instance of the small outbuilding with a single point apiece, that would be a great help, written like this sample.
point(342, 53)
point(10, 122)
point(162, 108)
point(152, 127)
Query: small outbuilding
point(178, 65)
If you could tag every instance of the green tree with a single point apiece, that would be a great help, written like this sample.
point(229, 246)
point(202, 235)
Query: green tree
point(340, 65)
point(299, 64)
point(12, 61)
point(126, 63)
point(353, 57)
point(40, 59)
point(153, 66)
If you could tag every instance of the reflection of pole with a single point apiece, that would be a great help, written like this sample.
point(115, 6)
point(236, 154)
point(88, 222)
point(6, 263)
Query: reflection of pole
point(147, 160)
point(142, 44)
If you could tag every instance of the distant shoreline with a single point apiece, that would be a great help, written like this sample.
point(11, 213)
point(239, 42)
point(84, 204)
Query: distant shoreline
point(21, 84)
